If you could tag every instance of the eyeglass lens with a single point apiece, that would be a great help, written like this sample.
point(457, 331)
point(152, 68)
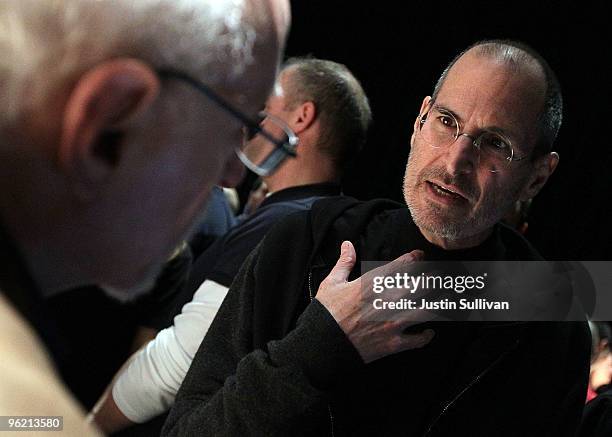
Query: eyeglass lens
point(441, 129)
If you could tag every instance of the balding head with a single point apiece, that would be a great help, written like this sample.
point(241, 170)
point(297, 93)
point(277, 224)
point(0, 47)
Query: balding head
point(46, 46)
point(109, 161)
point(479, 144)
point(521, 58)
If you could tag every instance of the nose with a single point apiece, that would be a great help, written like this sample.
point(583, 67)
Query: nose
point(462, 156)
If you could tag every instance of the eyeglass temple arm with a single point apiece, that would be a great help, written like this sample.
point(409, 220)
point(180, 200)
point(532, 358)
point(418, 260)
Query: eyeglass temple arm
point(251, 125)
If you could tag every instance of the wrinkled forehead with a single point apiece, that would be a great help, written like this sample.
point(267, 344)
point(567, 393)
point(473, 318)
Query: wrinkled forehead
point(494, 93)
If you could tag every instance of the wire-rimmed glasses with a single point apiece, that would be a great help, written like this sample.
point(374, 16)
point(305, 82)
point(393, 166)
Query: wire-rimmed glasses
point(439, 128)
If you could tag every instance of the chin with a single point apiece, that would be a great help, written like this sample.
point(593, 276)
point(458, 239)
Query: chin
point(437, 221)
point(129, 285)
point(445, 230)
point(125, 295)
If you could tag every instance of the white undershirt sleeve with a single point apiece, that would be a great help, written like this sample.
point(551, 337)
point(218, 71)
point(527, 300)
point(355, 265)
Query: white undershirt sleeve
point(148, 386)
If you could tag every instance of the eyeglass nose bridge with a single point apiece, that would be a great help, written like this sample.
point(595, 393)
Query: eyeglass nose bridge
point(474, 142)
point(474, 139)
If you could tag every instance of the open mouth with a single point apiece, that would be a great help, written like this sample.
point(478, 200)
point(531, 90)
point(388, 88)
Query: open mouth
point(445, 192)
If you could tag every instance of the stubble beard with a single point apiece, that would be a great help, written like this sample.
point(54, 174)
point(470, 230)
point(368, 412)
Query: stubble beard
point(440, 221)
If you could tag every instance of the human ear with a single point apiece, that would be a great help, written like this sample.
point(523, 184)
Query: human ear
point(417, 121)
point(303, 117)
point(543, 168)
point(103, 100)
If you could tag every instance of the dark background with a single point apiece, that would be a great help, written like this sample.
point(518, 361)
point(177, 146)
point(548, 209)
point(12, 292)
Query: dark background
point(398, 49)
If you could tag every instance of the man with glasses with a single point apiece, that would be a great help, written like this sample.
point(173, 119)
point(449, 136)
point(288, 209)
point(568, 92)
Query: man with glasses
point(293, 352)
point(303, 111)
point(107, 158)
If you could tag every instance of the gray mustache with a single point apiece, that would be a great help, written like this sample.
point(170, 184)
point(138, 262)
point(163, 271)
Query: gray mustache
point(462, 182)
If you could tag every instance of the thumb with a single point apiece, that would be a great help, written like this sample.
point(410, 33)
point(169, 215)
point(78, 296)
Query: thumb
point(344, 265)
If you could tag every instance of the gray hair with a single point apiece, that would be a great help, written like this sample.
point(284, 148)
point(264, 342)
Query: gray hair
point(342, 105)
point(47, 44)
point(517, 54)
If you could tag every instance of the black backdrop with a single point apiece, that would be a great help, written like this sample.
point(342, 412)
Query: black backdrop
point(398, 49)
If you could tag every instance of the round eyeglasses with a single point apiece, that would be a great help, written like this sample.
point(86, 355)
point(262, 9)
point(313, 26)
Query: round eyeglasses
point(439, 128)
point(263, 151)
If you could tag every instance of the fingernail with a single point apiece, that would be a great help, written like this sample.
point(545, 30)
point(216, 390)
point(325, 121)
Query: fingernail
point(344, 247)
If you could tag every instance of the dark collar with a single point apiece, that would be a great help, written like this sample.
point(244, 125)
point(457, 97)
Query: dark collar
point(303, 191)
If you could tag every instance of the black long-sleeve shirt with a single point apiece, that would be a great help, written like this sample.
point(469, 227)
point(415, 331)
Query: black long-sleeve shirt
point(276, 363)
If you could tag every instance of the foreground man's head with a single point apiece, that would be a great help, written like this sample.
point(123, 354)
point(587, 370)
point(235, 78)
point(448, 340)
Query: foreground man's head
point(106, 163)
point(482, 142)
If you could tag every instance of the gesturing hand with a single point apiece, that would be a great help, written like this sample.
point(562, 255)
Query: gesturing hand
point(347, 303)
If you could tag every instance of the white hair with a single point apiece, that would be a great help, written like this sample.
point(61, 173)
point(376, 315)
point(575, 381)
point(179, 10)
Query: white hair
point(45, 44)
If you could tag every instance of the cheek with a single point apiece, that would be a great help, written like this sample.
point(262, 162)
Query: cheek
point(411, 171)
point(198, 165)
point(414, 170)
point(497, 193)
point(420, 158)
point(214, 151)
point(491, 186)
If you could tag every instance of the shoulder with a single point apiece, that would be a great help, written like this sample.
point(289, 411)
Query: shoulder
point(517, 246)
point(222, 261)
point(262, 220)
point(340, 205)
point(597, 417)
point(288, 234)
point(295, 240)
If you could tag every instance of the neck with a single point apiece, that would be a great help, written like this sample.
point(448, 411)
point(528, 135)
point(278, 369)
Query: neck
point(456, 243)
point(300, 173)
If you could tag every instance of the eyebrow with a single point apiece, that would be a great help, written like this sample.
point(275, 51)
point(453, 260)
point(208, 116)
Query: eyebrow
point(494, 129)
